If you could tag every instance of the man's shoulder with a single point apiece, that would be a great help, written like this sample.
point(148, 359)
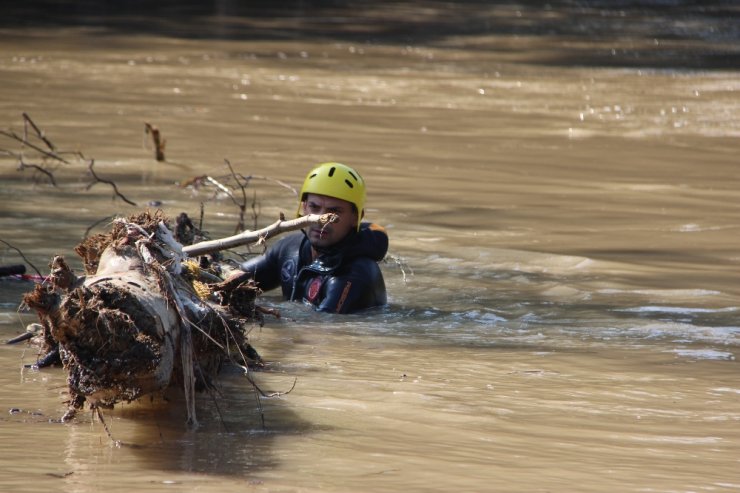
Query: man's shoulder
point(371, 241)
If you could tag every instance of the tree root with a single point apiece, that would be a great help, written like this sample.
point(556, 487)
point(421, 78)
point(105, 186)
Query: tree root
point(136, 324)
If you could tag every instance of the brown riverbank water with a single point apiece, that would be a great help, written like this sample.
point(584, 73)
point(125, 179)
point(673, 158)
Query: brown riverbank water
point(560, 186)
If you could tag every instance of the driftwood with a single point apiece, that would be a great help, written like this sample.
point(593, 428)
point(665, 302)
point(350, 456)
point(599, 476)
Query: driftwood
point(145, 316)
point(142, 318)
point(279, 226)
point(157, 139)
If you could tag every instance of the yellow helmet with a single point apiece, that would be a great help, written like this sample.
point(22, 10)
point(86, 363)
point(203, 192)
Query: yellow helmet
point(335, 180)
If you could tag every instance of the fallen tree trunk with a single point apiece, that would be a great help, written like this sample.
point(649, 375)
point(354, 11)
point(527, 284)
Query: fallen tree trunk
point(141, 320)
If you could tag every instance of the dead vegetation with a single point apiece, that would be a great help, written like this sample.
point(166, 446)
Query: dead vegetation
point(145, 316)
point(142, 318)
point(39, 154)
point(155, 307)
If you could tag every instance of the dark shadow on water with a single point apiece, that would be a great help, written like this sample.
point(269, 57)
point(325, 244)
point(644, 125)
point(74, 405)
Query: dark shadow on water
point(660, 34)
point(235, 434)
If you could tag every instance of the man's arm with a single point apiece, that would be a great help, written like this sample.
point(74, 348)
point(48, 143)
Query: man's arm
point(264, 269)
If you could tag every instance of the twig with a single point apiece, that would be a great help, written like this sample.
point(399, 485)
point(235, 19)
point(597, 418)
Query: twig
point(157, 140)
point(256, 209)
point(99, 413)
point(197, 181)
point(279, 394)
point(211, 392)
point(244, 367)
point(220, 186)
point(38, 131)
point(108, 182)
point(46, 151)
point(22, 166)
point(36, 148)
point(24, 257)
point(223, 186)
point(89, 228)
point(279, 226)
point(243, 205)
point(248, 374)
point(267, 178)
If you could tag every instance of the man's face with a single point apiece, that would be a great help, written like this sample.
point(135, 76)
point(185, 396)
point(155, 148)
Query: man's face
point(330, 234)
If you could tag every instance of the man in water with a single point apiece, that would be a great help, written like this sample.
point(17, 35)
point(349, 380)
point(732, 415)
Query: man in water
point(332, 267)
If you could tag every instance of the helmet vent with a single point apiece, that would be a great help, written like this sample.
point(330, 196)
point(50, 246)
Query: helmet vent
point(349, 184)
point(332, 170)
point(313, 175)
point(352, 175)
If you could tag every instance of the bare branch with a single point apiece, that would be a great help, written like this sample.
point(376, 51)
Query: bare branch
point(52, 155)
point(243, 205)
point(99, 221)
point(49, 175)
point(256, 209)
point(220, 186)
point(267, 178)
point(280, 226)
point(200, 180)
point(21, 254)
point(38, 131)
point(108, 182)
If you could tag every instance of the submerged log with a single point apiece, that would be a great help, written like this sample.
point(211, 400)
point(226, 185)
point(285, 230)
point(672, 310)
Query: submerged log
point(141, 320)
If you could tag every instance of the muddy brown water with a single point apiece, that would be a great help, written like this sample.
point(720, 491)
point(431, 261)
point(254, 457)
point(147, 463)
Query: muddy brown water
point(560, 185)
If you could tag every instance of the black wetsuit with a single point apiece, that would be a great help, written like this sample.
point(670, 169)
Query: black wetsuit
point(343, 279)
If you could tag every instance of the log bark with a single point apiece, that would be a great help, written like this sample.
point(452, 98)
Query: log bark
point(136, 324)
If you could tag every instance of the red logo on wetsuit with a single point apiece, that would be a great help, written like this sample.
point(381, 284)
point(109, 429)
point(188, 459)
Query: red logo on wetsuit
point(313, 289)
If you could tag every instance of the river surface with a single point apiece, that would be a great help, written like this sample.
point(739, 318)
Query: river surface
point(560, 185)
